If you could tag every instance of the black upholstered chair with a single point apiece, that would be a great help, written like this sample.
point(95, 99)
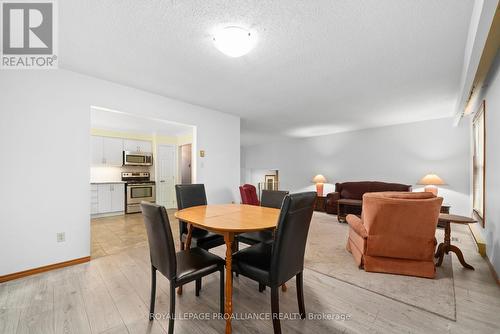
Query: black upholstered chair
point(272, 264)
point(270, 199)
point(189, 195)
point(179, 268)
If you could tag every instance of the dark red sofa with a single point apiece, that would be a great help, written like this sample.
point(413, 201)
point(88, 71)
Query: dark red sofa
point(356, 190)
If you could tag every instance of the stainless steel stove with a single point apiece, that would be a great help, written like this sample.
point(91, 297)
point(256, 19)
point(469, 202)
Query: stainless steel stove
point(138, 188)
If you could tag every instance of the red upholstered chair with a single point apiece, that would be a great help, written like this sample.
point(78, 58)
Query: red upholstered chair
point(249, 195)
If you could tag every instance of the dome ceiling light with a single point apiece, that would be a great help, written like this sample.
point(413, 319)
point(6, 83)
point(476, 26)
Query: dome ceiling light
point(234, 41)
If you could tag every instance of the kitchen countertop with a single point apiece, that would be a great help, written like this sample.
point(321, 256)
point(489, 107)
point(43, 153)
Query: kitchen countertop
point(106, 182)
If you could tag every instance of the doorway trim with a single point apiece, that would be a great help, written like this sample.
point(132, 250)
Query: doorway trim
point(176, 169)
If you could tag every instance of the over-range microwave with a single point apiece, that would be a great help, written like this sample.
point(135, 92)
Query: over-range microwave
point(137, 158)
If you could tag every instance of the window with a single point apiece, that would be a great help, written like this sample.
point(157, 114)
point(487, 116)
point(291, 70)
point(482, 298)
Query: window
point(478, 173)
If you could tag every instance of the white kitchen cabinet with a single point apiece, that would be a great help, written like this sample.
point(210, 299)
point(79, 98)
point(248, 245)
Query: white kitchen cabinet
point(106, 151)
point(117, 197)
point(112, 151)
point(110, 198)
point(96, 150)
point(137, 145)
point(104, 198)
point(94, 199)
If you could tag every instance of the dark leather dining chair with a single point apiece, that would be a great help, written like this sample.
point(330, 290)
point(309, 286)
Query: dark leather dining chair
point(189, 195)
point(272, 264)
point(179, 268)
point(270, 199)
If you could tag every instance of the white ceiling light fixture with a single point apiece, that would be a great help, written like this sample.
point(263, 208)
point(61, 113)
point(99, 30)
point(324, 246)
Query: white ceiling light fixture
point(234, 41)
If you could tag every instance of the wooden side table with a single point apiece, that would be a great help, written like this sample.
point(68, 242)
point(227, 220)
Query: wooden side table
point(446, 246)
point(320, 203)
point(445, 208)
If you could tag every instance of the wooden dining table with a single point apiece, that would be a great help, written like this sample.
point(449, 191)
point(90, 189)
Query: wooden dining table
point(228, 220)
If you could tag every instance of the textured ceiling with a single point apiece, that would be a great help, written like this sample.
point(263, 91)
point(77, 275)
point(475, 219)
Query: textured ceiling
point(318, 67)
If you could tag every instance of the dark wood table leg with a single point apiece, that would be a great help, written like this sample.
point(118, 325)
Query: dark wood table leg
point(228, 305)
point(187, 246)
point(340, 213)
point(446, 247)
point(460, 256)
point(440, 257)
point(438, 251)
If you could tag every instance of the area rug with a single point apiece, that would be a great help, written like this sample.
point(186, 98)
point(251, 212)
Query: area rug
point(326, 254)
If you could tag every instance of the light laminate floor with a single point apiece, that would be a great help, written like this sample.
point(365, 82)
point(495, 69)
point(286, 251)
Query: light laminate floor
point(111, 295)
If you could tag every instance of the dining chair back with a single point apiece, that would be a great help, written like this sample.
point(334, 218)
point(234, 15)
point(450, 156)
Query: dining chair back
point(290, 238)
point(189, 195)
point(273, 198)
point(249, 195)
point(160, 240)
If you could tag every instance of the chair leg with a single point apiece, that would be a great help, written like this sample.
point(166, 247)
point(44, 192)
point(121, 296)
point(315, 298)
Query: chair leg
point(179, 289)
point(172, 309)
point(262, 287)
point(222, 291)
point(236, 247)
point(300, 294)
point(198, 287)
point(153, 293)
point(275, 309)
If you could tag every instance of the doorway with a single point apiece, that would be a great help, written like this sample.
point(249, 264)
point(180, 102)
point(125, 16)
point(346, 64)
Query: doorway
point(185, 163)
point(114, 135)
point(166, 175)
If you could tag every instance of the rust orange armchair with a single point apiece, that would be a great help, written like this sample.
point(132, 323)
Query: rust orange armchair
point(396, 233)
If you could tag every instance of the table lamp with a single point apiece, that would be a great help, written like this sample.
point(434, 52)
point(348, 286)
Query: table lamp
point(431, 181)
point(319, 180)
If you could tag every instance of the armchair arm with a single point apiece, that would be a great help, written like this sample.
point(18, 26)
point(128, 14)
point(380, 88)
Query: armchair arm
point(331, 202)
point(335, 196)
point(357, 225)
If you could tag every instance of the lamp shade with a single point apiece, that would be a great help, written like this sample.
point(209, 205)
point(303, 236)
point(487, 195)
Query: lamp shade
point(431, 179)
point(319, 179)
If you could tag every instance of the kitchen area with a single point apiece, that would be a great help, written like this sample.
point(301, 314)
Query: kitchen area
point(132, 160)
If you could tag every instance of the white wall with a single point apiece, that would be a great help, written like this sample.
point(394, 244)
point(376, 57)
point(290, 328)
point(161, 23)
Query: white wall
point(491, 94)
point(401, 153)
point(44, 129)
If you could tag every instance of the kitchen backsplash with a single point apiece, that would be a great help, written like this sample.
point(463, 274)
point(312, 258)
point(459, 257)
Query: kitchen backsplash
point(104, 173)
